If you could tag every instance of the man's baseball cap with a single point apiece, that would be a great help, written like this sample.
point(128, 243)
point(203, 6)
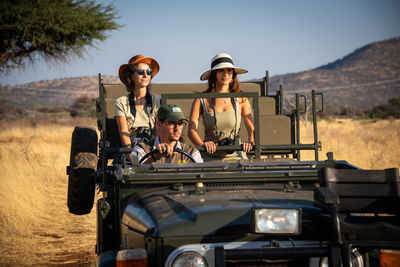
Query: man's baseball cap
point(171, 112)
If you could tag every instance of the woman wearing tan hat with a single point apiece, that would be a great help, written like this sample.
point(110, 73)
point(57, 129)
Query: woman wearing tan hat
point(222, 116)
point(135, 112)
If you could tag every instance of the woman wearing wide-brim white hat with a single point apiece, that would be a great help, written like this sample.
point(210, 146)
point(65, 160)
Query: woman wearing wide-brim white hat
point(222, 116)
point(221, 61)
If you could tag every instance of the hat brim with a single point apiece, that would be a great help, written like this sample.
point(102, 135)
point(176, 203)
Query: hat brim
point(179, 119)
point(147, 60)
point(206, 75)
point(174, 118)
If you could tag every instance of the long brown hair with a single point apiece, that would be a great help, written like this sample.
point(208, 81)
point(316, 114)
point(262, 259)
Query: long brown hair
point(126, 78)
point(234, 86)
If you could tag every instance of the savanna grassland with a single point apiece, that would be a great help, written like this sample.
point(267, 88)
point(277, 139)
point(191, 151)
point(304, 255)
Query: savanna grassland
point(368, 144)
point(36, 226)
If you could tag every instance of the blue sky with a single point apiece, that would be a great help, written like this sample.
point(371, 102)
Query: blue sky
point(281, 36)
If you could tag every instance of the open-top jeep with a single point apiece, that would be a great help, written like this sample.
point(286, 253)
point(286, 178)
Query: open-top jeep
point(270, 210)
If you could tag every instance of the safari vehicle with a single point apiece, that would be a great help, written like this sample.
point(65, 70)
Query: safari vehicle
point(270, 210)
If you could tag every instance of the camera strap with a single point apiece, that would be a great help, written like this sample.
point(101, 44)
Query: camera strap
point(148, 109)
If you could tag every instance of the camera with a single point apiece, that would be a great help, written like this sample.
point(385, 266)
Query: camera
point(143, 133)
point(226, 142)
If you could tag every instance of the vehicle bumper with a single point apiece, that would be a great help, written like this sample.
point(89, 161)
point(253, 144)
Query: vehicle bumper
point(218, 254)
point(106, 258)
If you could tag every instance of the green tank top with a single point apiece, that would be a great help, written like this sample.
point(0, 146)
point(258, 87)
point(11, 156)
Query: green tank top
point(220, 125)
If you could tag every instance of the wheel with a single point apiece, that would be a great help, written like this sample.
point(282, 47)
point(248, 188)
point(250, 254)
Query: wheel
point(82, 170)
point(175, 150)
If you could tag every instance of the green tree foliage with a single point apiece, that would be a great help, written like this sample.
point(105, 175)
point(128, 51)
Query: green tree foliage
point(389, 110)
point(54, 30)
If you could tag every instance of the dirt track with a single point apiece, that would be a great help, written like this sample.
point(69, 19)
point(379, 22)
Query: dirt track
point(69, 239)
point(37, 229)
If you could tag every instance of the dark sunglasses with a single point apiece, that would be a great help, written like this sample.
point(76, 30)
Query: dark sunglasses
point(177, 123)
point(142, 71)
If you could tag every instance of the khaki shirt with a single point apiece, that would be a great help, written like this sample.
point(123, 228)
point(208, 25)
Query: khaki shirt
point(142, 119)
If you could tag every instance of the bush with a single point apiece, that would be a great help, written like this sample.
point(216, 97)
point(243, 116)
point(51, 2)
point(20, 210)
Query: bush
point(388, 110)
point(10, 111)
point(83, 107)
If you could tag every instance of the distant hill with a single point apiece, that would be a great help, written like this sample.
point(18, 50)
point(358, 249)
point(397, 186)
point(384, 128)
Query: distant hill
point(59, 92)
point(368, 76)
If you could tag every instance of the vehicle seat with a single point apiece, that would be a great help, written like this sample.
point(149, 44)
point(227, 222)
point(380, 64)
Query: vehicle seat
point(367, 203)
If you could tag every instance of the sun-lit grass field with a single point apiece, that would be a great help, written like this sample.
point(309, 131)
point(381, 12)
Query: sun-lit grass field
point(37, 228)
point(366, 144)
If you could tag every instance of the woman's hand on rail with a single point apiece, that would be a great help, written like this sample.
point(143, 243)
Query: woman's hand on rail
point(210, 146)
point(247, 146)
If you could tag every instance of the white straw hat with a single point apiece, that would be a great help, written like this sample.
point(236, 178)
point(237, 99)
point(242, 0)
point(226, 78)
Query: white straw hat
point(221, 61)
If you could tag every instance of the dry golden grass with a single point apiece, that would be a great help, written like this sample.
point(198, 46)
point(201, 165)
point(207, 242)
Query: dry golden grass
point(366, 144)
point(37, 228)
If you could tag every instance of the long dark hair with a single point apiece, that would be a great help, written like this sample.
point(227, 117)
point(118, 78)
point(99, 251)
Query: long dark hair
point(234, 86)
point(126, 79)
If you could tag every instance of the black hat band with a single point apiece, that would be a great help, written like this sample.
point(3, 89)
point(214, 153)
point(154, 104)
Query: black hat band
point(221, 60)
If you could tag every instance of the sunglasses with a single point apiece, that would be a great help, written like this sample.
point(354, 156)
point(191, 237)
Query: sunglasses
point(173, 124)
point(142, 71)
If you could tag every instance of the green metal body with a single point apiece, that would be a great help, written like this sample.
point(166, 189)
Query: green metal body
point(165, 207)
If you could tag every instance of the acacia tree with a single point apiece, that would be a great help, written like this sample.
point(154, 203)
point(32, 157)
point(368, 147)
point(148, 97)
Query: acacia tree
point(54, 30)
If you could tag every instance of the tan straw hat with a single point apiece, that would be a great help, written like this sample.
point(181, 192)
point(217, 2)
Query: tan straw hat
point(140, 59)
point(221, 61)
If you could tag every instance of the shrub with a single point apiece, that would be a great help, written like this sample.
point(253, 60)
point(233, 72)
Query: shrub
point(388, 110)
point(83, 107)
point(8, 111)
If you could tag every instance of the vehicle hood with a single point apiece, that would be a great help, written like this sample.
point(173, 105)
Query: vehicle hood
point(187, 213)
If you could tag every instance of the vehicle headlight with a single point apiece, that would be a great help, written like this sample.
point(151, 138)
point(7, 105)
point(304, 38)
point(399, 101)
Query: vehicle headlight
point(277, 221)
point(324, 262)
point(189, 259)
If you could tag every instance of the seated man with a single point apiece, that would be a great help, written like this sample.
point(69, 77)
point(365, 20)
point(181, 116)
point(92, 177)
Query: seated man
point(170, 122)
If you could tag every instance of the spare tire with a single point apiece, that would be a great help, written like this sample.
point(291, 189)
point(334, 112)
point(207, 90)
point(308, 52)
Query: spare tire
point(82, 170)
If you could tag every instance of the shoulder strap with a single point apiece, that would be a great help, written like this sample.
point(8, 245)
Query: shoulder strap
point(235, 104)
point(203, 104)
point(132, 105)
point(149, 104)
